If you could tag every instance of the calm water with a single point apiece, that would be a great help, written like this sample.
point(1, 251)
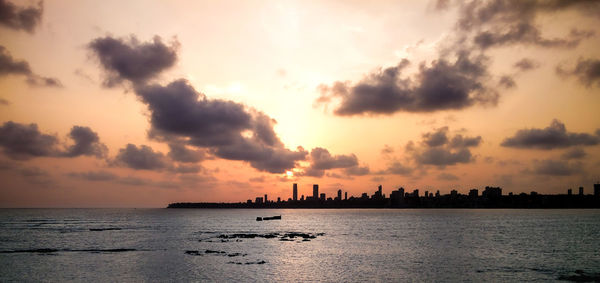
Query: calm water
point(357, 245)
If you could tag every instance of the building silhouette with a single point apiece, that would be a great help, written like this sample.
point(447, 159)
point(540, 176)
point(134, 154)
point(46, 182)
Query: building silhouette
point(315, 191)
point(295, 192)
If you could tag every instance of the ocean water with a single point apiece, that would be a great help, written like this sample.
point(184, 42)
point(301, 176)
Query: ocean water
point(351, 245)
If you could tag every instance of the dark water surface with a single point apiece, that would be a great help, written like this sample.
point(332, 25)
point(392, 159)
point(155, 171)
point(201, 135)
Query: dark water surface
point(306, 245)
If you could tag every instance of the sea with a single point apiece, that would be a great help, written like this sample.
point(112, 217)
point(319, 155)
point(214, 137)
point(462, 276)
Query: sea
point(306, 245)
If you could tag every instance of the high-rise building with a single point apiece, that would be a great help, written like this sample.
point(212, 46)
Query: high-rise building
point(315, 191)
point(339, 197)
point(345, 195)
point(597, 190)
point(580, 191)
point(266, 199)
point(473, 193)
point(295, 192)
point(323, 196)
point(569, 192)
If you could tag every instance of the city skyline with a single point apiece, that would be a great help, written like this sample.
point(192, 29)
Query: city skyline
point(220, 100)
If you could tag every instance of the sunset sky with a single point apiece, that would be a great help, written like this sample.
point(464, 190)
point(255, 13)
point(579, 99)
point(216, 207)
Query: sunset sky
point(144, 103)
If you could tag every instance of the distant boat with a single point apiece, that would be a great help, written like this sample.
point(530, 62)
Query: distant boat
point(277, 217)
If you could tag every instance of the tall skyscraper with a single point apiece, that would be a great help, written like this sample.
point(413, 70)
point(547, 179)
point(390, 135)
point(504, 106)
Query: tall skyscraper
point(339, 197)
point(597, 190)
point(315, 191)
point(295, 193)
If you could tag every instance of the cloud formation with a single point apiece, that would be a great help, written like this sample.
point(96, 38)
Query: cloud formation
point(19, 18)
point(128, 59)
point(526, 64)
point(551, 137)
point(11, 66)
point(500, 22)
point(586, 70)
point(180, 152)
point(140, 158)
point(322, 160)
point(439, 150)
point(21, 142)
point(86, 143)
point(444, 85)
point(556, 167)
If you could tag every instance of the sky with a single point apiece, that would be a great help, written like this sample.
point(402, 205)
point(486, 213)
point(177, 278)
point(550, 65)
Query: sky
point(145, 103)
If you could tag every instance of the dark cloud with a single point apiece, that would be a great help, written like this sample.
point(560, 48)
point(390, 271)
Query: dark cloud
point(447, 177)
point(556, 167)
point(526, 64)
point(386, 150)
point(551, 137)
point(397, 168)
point(443, 85)
point(128, 59)
point(142, 158)
point(459, 141)
point(575, 153)
point(321, 159)
point(439, 150)
point(507, 82)
point(86, 142)
point(436, 138)
point(19, 18)
point(95, 176)
point(501, 22)
point(357, 170)
point(11, 66)
point(21, 141)
point(443, 156)
point(4, 101)
point(180, 152)
point(586, 70)
point(225, 127)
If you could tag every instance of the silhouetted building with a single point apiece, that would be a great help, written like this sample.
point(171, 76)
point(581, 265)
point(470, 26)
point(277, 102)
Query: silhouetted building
point(569, 192)
point(315, 191)
point(322, 196)
point(266, 200)
point(345, 195)
point(295, 192)
point(415, 193)
point(437, 194)
point(491, 192)
point(339, 196)
point(473, 193)
point(364, 196)
point(426, 193)
point(278, 199)
point(302, 198)
point(597, 190)
point(453, 193)
point(259, 200)
point(249, 201)
point(580, 191)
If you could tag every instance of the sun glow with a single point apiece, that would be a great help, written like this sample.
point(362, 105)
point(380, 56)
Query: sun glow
point(289, 174)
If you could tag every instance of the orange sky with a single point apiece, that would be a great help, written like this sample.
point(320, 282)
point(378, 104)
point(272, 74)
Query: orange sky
point(143, 103)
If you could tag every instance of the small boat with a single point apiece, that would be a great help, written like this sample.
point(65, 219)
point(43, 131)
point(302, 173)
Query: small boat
point(277, 217)
point(258, 218)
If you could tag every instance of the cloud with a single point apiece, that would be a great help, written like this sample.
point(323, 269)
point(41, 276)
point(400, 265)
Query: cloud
point(447, 177)
point(180, 152)
point(128, 59)
point(526, 64)
point(556, 167)
point(500, 23)
point(575, 153)
point(87, 143)
point(437, 149)
point(507, 82)
point(22, 142)
point(397, 168)
point(586, 70)
point(10, 66)
point(443, 85)
point(386, 150)
point(226, 128)
point(551, 137)
point(321, 159)
point(19, 18)
point(357, 170)
point(4, 102)
point(142, 158)
point(94, 176)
